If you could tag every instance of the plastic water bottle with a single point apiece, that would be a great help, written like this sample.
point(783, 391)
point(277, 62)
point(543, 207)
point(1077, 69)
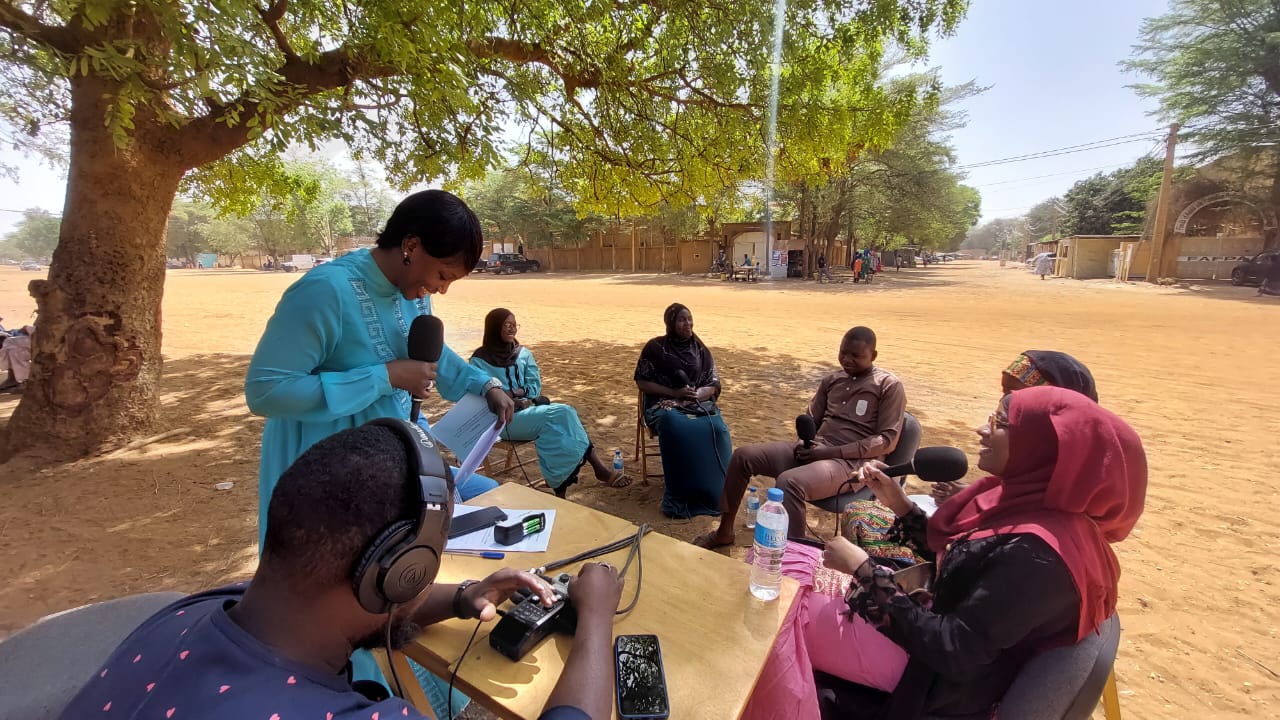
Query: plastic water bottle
point(771, 541)
point(753, 505)
point(617, 461)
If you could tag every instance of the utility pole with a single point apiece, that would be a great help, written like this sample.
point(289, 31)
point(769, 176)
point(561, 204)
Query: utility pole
point(1157, 264)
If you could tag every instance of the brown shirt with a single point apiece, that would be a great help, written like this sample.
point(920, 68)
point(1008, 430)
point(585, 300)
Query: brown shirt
point(861, 415)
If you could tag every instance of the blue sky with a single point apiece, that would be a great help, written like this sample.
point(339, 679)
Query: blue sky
point(1052, 68)
point(1054, 82)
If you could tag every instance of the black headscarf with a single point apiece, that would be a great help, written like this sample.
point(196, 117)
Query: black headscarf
point(663, 356)
point(1064, 371)
point(493, 349)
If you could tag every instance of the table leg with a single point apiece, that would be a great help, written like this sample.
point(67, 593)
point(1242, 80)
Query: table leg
point(410, 686)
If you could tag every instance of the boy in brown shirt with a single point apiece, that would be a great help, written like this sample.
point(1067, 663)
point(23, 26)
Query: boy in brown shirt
point(858, 411)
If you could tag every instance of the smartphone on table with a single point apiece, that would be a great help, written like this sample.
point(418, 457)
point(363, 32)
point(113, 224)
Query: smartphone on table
point(641, 683)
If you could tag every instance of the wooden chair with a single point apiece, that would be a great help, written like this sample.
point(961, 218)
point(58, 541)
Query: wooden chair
point(646, 442)
point(511, 459)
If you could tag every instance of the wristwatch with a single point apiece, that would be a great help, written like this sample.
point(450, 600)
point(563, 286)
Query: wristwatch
point(457, 598)
point(491, 384)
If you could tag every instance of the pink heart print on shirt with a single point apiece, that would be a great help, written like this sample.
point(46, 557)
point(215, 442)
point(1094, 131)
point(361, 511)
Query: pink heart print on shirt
point(223, 688)
point(183, 655)
point(291, 681)
point(107, 706)
point(150, 686)
point(169, 713)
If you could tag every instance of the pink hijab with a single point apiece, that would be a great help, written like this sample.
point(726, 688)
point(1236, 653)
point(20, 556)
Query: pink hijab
point(1076, 478)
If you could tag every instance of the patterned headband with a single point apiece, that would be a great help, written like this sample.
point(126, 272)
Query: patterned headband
point(1025, 371)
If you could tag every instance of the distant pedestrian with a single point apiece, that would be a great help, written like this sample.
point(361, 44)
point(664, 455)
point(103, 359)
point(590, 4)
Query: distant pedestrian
point(823, 271)
point(1044, 265)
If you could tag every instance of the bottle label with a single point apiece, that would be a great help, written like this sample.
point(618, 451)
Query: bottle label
point(770, 537)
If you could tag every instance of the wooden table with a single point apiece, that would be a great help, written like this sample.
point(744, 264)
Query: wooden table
point(715, 635)
point(740, 272)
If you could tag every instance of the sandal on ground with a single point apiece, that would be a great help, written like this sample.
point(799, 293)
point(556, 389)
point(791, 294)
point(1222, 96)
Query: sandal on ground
point(617, 480)
point(711, 541)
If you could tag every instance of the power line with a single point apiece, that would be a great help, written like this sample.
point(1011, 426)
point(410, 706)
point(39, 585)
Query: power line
point(1052, 175)
point(1069, 150)
point(24, 212)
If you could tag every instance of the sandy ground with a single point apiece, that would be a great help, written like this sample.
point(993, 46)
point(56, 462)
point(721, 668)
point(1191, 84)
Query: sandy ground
point(1188, 368)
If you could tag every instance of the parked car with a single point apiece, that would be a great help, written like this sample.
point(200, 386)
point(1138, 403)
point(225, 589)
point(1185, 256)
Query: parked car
point(507, 263)
point(1254, 270)
point(31, 265)
point(481, 265)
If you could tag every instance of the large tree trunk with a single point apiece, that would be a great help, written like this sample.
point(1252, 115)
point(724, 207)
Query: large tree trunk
point(96, 351)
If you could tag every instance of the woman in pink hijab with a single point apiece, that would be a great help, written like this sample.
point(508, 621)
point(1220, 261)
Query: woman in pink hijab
point(1023, 559)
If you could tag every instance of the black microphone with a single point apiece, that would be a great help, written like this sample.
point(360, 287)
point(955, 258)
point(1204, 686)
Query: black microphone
point(806, 430)
point(932, 464)
point(683, 378)
point(426, 342)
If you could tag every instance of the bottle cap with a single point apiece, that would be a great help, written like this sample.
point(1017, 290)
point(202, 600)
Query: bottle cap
point(775, 494)
point(752, 488)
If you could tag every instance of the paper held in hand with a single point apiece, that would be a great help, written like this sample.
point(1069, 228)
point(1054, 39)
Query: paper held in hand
point(470, 430)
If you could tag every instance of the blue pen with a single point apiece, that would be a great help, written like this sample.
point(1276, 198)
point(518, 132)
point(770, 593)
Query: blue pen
point(486, 554)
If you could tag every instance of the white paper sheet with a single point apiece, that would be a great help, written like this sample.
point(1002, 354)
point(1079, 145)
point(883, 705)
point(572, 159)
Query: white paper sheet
point(926, 503)
point(484, 539)
point(470, 430)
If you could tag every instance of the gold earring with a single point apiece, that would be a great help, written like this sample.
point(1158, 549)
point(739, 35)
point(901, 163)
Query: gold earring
point(406, 257)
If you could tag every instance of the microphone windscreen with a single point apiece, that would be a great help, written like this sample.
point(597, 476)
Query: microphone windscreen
point(940, 464)
point(426, 338)
point(683, 378)
point(805, 428)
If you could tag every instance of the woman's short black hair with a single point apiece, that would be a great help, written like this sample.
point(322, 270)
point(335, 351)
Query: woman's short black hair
point(332, 501)
point(444, 224)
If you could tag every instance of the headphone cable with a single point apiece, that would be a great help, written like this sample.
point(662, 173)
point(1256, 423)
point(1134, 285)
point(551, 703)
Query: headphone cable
point(390, 658)
point(454, 675)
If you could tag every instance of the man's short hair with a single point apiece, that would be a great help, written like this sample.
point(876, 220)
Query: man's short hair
point(862, 335)
point(332, 502)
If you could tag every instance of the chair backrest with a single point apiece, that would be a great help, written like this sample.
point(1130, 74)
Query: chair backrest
point(1064, 683)
point(908, 441)
point(43, 666)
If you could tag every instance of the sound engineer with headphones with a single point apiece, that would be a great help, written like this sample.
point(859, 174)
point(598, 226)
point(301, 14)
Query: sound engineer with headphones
point(354, 538)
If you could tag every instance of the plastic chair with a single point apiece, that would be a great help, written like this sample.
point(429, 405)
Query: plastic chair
point(646, 442)
point(43, 666)
point(908, 443)
point(1066, 683)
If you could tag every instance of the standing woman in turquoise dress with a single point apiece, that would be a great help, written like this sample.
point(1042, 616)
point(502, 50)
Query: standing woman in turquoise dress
point(554, 428)
point(335, 353)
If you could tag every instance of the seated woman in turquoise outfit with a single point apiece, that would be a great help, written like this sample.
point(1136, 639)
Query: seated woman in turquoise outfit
point(335, 353)
point(554, 428)
point(678, 378)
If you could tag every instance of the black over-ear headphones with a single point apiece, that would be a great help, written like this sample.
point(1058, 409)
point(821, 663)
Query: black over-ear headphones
point(403, 559)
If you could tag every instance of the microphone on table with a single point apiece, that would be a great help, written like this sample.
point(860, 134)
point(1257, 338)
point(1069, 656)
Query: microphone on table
point(806, 429)
point(426, 342)
point(932, 464)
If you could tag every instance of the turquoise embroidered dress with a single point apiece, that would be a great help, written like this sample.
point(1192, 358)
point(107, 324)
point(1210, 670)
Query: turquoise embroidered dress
point(320, 366)
point(555, 429)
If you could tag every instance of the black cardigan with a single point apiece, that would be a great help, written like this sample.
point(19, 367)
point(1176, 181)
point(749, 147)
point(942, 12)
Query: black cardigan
point(996, 602)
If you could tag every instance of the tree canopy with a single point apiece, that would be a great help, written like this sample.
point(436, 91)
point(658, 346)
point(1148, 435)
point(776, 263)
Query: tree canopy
point(1215, 67)
point(35, 236)
point(647, 101)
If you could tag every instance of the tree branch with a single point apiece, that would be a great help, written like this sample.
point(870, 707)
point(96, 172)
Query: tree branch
point(523, 53)
point(214, 135)
point(271, 17)
point(59, 38)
